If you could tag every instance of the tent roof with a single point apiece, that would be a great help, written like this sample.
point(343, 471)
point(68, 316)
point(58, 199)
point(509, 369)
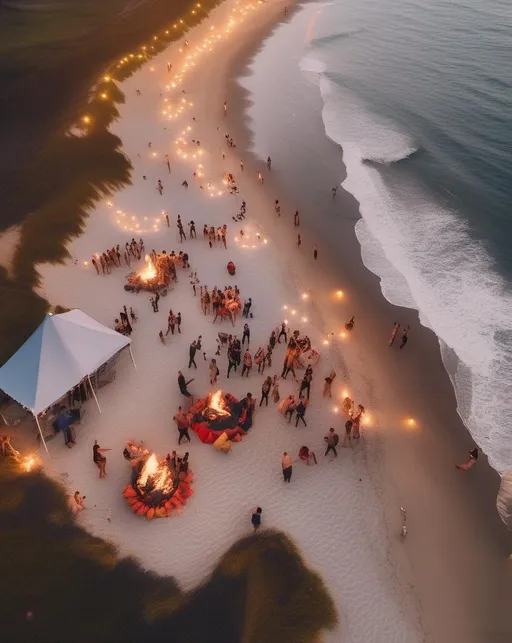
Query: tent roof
point(57, 356)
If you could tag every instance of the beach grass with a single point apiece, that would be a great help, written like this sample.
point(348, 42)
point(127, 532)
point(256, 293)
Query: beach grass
point(59, 183)
point(60, 583)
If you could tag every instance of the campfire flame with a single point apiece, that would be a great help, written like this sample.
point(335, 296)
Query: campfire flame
point(156, 472)
point(149, 271)
point(217, 404)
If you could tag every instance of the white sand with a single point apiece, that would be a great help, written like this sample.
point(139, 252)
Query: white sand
point(333, 511)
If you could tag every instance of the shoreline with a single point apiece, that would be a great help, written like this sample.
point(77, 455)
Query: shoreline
point(433, 377)
point(385, 446)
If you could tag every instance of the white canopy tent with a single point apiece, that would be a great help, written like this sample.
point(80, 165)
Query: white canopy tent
point(64, 350)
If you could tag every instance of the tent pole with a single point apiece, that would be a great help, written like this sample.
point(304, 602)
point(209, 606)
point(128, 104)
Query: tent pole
point(131, 355)
point(94, 394)
point(41, 433)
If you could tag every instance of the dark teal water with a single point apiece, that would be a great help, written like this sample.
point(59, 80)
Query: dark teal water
point(441, 71)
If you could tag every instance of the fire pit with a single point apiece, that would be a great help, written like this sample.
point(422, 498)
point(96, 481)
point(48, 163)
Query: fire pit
point(218, 414)
point(155, 276)
point(157, 488)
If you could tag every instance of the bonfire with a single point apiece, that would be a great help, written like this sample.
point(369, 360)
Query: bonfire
point(149, 272)
point(221, 419)
point(157, 489)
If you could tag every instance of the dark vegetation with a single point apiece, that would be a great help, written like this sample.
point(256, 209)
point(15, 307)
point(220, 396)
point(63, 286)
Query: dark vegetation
point(59, 583)
point(49, 58)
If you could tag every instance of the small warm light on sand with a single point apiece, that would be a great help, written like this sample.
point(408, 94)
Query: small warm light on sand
point(305, 295)
point(339, 293)
point(335, 409)
point(325, 342)
point(345, 393)
point(110, 204)
point(367, 419)
point(285, 307)
point(104, 95)
point(86, 119)
point(304, 319)
point(86, 263)
point(343, 334)
point(106, 78)
point(285, 321)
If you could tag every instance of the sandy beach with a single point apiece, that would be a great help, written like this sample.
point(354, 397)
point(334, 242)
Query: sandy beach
point(450, 579)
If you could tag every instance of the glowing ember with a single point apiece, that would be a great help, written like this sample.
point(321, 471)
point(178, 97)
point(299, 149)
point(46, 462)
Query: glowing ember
point(155, 475)
point(149, 271)
point(217, 404)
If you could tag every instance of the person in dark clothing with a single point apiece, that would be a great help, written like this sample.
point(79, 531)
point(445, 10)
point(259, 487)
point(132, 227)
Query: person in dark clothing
point(256, 518)
point(332, 440)
point(182, 383)
point(192, 354)
point(305, 385)
point(232, 363)
point(265, 390)
point(247, 333)
point(247, 307)
point(282, 333)
point(157, 299)
point(405, 337)
point(300, 413)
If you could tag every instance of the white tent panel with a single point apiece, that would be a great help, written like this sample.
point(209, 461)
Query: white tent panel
point(56, 357)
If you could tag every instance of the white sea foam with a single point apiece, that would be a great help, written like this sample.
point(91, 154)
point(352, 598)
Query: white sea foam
point(427, 260)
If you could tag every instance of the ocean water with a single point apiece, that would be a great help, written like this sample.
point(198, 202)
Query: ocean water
point(419, 96)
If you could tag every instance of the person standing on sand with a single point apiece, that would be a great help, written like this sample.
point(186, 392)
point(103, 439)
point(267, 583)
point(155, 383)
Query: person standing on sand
point(265, 390)
point(332, 440)
point(405, 337)
point(269, 163)
point(296, 219)
point(247, 365)
point(168, 163)
point(192, 354)
point(286, 466)
point(241, 165)
point(178, 322)
point(95, 264)
point(298, 240)
point(225, 106)
point(182, 423)
point(315, 251)
point(167, 219)
point(256, 519)
point(348, 433)
point(275, 390)
point(396, 328)
point(328, 383)
point(182, 384)
point(282, 333)
point(99, 459)
point(473, 457)
point(356, 421)
point(334, 190)
point(247, 333)
point(214, 372)
point(260, 177)
point(300, 412)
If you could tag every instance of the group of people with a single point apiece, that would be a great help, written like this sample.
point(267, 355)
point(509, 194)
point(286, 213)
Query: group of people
point(124, 323)
point(112, 257)
point(223, 304)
